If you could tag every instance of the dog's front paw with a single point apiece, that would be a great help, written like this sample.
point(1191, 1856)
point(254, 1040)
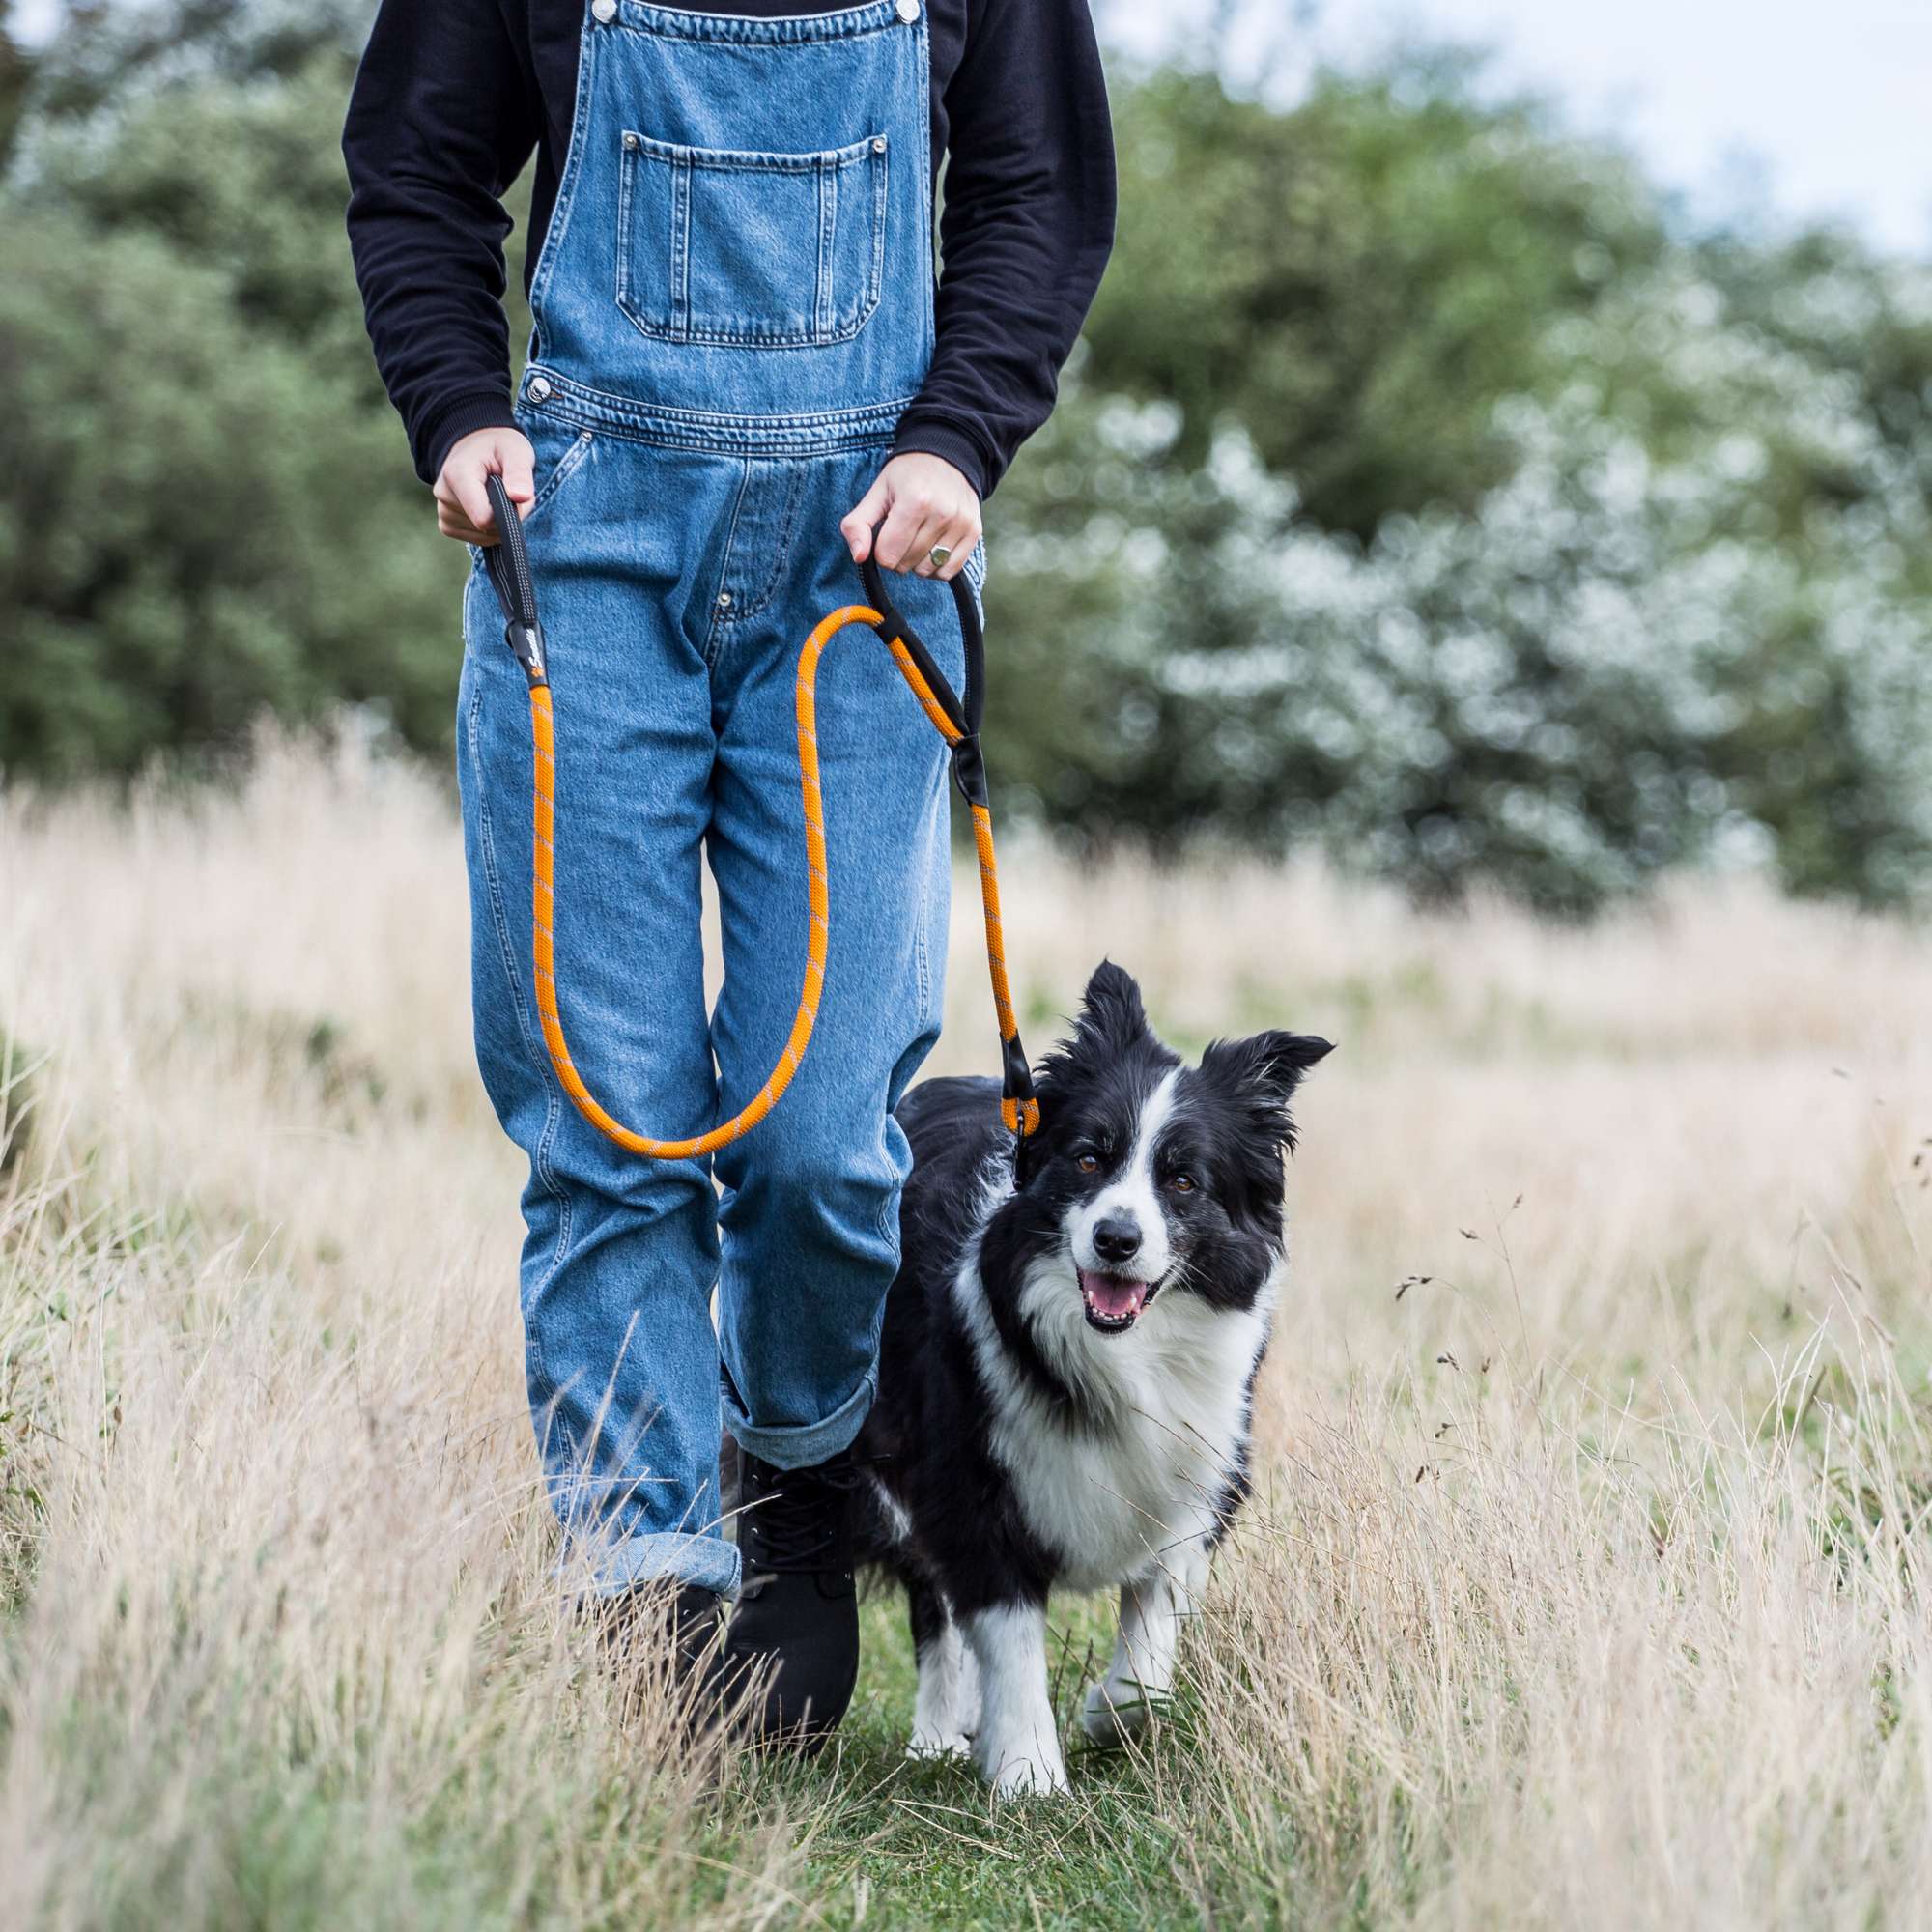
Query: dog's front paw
point(1035, 1773)
point(1116, 1713)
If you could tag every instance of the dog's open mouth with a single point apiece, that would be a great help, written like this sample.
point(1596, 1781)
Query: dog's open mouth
point(1114, 1303)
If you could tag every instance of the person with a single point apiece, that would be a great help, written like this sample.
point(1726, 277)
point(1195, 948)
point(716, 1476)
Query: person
point(745, 375)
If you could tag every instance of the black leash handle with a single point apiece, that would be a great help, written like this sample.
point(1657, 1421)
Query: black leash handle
point(966, 715)
point(508, 562)
point(969, 766)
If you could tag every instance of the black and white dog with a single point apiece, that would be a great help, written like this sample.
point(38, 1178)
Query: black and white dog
point(1068, 1364)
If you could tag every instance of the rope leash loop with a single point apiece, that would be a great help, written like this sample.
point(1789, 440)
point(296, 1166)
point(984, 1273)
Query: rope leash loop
point(957, 722)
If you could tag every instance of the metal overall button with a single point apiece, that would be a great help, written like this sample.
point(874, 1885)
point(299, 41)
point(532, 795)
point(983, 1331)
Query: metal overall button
point(604, 12)
point(907, 9)
point(539, 388)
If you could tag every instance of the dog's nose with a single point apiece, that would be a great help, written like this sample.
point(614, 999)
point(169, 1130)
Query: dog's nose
point(1116, 1239)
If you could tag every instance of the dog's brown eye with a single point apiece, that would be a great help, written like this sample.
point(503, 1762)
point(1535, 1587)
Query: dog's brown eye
point(1087, 1162)
point(1183, 1183)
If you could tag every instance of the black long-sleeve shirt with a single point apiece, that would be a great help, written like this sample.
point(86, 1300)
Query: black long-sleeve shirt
point(454, 94)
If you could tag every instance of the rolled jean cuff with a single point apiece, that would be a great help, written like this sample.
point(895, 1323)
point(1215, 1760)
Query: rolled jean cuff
point(666, 1555)
point(802, 1444)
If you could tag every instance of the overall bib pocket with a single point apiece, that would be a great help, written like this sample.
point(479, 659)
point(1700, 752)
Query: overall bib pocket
point(750, 250)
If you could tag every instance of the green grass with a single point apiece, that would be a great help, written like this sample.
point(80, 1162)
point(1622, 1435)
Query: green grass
point(920, 1844)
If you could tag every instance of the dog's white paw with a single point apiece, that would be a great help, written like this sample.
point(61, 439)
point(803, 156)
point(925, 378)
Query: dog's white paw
point(939, 1743)
point(1027, 1773)
point(1116, 1713)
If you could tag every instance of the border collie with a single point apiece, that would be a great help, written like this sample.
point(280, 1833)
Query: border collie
point(1067, 1366)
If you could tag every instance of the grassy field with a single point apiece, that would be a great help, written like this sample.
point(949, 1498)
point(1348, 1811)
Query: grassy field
point(1586, 1583)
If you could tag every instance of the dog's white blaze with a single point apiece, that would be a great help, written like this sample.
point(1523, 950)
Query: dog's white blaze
point(1118, 1501)
point(946, 1712)
point(1017, 1746)
point(1134, 1196)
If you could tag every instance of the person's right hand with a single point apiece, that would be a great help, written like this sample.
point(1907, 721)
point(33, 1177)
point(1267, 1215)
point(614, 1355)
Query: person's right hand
point(462, 497)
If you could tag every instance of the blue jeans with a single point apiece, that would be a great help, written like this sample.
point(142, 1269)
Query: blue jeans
point(732, 305)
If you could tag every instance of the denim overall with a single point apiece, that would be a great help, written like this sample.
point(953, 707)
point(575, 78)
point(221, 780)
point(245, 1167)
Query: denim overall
point(733, 305)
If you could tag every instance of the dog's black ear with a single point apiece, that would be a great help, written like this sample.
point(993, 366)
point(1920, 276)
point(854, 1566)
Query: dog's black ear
point(1265, 1070)
point(1112, 1021)
point(1112, 1016)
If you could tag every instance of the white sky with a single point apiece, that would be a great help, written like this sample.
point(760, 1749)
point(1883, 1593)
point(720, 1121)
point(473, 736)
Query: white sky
point(1835, 100)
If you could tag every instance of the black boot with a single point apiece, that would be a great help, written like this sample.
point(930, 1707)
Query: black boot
point(797, 1616)
point(659, 1622)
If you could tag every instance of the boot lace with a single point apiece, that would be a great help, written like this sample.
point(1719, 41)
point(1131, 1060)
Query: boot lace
point(797, 1520)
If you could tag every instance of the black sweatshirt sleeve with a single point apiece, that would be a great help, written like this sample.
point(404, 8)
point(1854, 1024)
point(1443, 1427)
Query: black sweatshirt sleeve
point(441, 121)
point(1025, 231)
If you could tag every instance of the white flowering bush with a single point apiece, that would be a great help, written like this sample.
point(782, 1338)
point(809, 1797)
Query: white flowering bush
point(1692, 625)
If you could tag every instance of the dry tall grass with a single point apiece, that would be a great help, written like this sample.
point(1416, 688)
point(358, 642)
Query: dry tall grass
point(1587, 1584)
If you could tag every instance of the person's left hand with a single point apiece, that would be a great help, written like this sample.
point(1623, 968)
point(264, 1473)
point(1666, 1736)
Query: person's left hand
point(925, 503)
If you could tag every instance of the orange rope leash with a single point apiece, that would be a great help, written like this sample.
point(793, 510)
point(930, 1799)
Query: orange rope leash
point(1019, 1119)
point(957, 722)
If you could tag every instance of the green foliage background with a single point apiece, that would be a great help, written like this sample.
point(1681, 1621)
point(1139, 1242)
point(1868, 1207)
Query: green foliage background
point(1423, 491)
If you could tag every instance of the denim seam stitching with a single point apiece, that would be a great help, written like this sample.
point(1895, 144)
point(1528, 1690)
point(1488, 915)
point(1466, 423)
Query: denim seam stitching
point(827, 230)
point(540, 1161)
point(756, 160)
point(588, 406)
point(568, 181)
point(927, 309)
point(781, 551)
point(826, 331)
point(626, 180)
point(679, 24)
point(714, 641)
point(824, 434)
point(567, 466)
point(881, 213)
point(681, 191)
point(857, 436)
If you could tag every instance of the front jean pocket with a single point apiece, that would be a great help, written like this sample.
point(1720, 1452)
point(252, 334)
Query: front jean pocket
point(762, 251)
point(560, 452)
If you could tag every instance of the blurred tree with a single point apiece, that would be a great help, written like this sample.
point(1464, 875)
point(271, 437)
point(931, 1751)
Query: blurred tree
point(109, 53)
point(16, 77)
point(1418, 491)
point(195, 529)
point(1647, 646)
point(206, 514)
point(245, 182)
point(1355, 282)
point(1422, 496)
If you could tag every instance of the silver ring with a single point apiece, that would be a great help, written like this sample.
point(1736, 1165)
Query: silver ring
point(939, 555)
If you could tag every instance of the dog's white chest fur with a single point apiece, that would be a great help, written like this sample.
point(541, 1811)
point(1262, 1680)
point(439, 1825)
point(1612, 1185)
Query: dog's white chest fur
point(1141, 1469)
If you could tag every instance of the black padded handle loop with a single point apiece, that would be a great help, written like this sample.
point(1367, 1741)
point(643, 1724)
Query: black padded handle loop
point(966, 714)
point(508, 562)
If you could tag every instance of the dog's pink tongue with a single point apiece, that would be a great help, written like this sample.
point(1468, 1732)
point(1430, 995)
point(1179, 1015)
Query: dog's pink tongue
point(1111, 1295)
